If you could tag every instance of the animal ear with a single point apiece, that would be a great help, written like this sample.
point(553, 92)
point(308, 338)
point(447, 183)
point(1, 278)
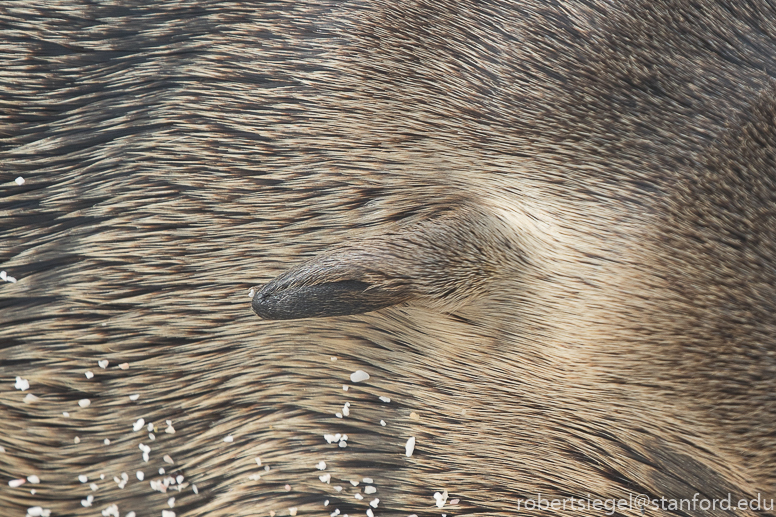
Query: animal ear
point(349, 280)
point(439, 263)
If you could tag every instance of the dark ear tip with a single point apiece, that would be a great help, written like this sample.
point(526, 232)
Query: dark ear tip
point(273, 303)
point(319, 301)
point(259, 302)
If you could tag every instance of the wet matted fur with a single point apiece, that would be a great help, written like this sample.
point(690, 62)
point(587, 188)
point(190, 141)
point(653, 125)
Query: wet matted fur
point(564, 213)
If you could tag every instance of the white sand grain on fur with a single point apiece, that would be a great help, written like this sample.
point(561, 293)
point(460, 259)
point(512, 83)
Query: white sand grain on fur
point(358, 376)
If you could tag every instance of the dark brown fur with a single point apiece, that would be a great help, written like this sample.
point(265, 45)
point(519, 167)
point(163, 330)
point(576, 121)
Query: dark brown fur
point(586, 309)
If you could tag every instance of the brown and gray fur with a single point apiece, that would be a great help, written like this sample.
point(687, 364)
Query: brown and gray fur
point(564, 214)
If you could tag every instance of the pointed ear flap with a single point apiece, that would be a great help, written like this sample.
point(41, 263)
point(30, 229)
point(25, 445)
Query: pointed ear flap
point(327, 299)
point(348, 280)
point(439, 263)
point(333, 285)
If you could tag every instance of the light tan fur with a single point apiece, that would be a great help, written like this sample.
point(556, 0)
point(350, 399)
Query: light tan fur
point(176, 154)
